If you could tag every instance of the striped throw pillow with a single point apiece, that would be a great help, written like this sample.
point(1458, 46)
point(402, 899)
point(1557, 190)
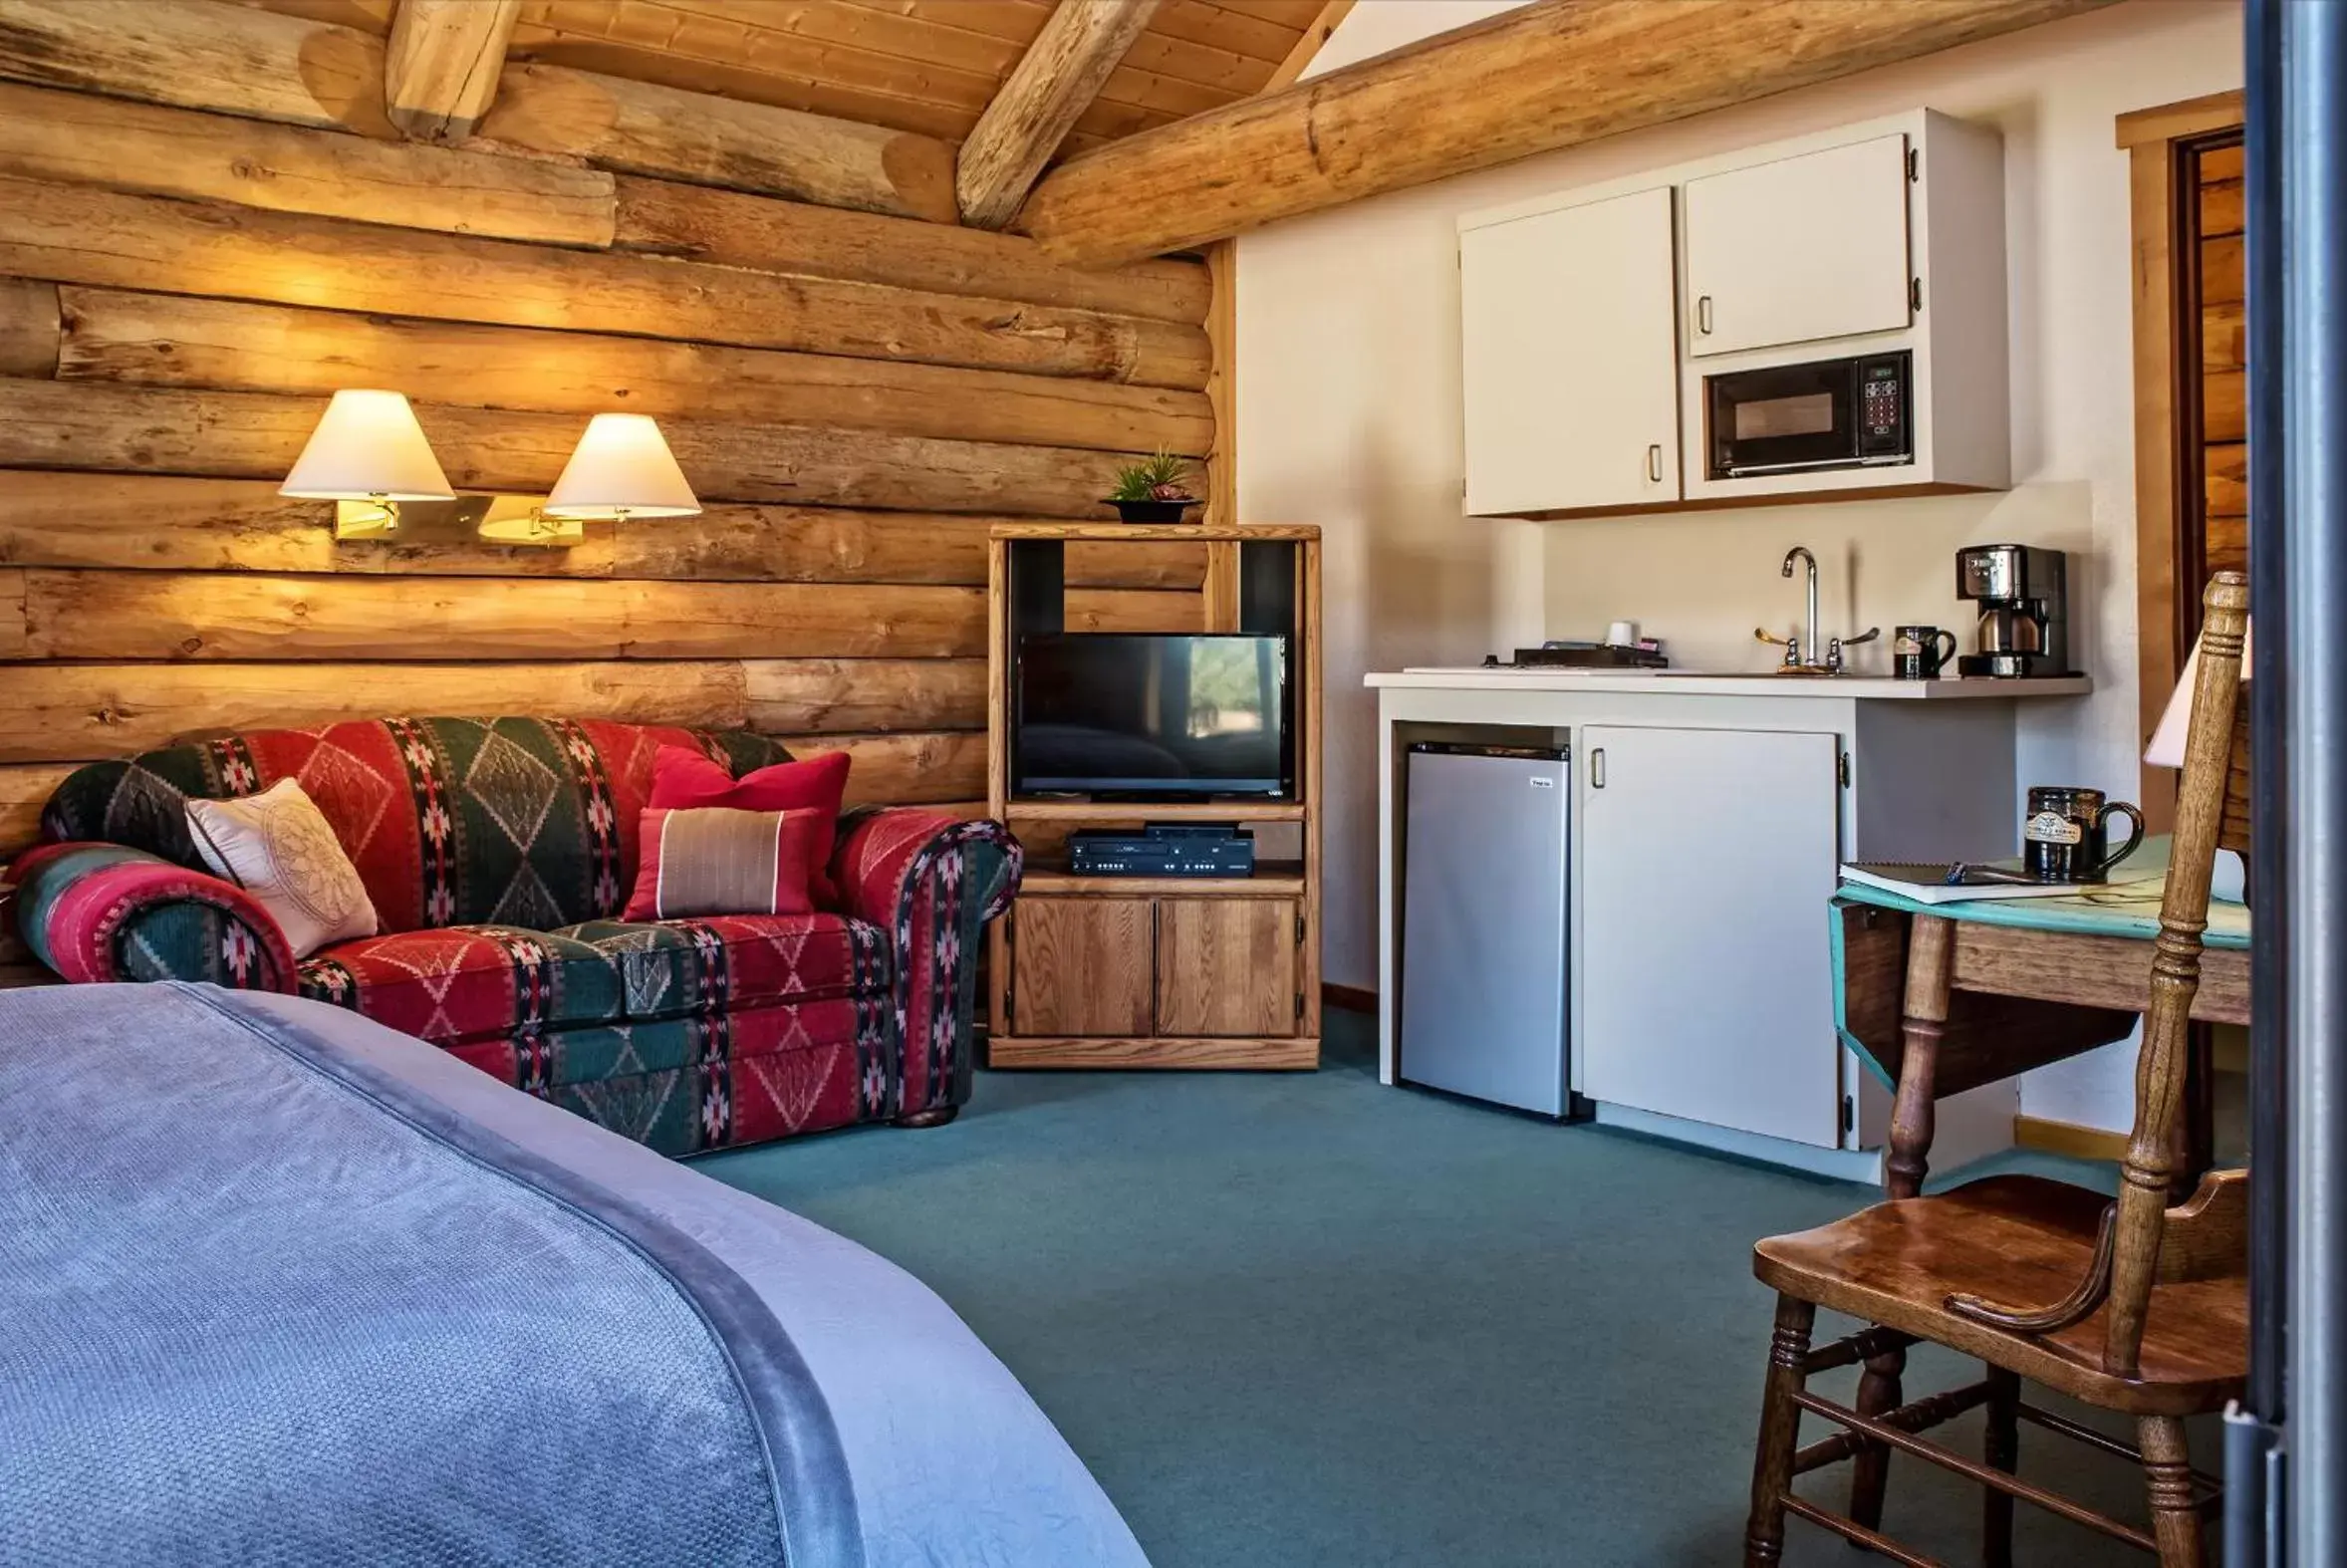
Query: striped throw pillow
point(715, 859)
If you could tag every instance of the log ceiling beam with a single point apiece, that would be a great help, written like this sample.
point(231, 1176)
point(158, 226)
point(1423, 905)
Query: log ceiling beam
point(442, 65)
point(258, 64)
point(196, 54)
point(644, 128)
point(1053, 83)
point(1555, 73)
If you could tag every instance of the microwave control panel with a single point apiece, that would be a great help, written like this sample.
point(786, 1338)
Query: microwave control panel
point(1882, 405)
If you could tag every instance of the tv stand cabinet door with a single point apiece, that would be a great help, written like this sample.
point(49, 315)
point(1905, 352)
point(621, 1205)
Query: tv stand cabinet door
point(1226, 968)
point(1080, 967)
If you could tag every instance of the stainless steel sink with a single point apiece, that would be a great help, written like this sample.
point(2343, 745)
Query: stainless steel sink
point(1780, 672)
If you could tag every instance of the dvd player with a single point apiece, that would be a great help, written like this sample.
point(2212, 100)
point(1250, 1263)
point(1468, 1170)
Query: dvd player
point(1163, 849)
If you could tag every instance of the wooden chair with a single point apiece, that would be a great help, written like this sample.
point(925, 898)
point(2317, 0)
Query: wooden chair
point(2146, 1304)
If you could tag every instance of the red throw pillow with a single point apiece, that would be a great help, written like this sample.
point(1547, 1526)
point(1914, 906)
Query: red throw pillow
point(718, 861)
point(682, 778)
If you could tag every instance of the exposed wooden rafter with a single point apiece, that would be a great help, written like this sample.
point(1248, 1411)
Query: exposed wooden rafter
point(441, 64)
point(1555, 73)
point(1054, 81)
point(1323, 27)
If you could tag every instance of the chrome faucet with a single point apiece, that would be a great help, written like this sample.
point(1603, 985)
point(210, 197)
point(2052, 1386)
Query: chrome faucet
point(1796, 646)
point(1809, 626)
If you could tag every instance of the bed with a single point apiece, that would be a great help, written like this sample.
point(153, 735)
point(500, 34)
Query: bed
point(281, 1287)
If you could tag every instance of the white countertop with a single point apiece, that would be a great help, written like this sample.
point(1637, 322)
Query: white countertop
point(1691, 685)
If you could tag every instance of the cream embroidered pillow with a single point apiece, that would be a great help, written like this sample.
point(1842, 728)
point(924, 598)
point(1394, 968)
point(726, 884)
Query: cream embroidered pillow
point(278, 847)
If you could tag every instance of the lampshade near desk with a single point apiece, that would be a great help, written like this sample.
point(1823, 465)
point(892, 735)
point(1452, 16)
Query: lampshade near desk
point(2166, 747)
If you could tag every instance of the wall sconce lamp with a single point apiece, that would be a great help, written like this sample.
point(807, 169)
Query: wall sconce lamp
point(369, 455)
point(621, 468)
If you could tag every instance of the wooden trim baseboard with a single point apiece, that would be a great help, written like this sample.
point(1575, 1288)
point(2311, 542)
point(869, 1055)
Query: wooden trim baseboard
point(1283, 1053)
point(2068, 1138)
point(1353, 998)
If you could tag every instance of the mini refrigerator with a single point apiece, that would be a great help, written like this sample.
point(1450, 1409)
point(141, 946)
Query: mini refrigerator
point(1484, 912)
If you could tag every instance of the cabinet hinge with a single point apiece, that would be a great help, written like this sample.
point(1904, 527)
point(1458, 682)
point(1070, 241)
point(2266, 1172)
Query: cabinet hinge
point(1463, 487)
point(1915, 165)
point(1849, 1112)
point(1915, 295)
point(1299, 930)
point(1299, 1007)
point(1841, 768)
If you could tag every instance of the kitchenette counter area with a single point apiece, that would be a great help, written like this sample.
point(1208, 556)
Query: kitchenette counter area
point(1695, 683)
point(1641, 862)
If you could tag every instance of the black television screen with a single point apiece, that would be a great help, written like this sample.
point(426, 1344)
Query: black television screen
point(1134, 714)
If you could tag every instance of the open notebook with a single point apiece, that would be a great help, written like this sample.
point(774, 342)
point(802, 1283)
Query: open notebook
point(1946, 882)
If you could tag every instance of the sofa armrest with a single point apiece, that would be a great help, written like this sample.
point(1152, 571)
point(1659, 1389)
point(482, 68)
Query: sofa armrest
point(930, 881)
point(105, 911)
point(882, 856)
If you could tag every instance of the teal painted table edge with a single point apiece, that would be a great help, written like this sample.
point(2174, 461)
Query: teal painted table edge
point(2127, 907)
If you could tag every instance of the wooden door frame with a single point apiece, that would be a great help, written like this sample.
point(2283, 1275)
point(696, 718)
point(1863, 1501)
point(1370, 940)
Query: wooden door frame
point(2159, 144)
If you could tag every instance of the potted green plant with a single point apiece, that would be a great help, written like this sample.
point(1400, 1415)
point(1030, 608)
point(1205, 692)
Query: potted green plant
point(1153, 490)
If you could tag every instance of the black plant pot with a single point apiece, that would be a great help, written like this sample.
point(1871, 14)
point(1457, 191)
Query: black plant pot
point(1152, 511)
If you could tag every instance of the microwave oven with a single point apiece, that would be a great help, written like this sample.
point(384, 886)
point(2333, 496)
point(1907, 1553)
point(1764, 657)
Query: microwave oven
point(1853, 412)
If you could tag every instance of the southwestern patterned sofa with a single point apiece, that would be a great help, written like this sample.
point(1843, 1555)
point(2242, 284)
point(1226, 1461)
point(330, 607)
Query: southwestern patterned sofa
point(498, 853)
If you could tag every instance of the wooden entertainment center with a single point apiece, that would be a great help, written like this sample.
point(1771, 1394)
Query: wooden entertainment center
point(1171, 971)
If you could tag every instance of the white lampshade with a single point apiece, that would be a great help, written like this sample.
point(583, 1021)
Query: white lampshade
point(2166, 747)
point(368, 447)
point(621, 469)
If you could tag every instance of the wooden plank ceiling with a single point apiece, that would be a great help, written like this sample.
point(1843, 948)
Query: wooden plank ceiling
point(929, 65)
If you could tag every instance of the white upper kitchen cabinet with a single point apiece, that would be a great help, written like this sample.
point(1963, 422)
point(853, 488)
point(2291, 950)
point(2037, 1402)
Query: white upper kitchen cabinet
point(1882, 241)
point(1799, 248)
point(1570, 361)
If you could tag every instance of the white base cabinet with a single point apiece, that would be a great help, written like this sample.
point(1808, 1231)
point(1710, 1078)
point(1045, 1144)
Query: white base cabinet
point(1710, 857)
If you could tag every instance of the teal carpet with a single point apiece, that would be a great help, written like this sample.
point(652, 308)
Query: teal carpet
point(1307, 1320)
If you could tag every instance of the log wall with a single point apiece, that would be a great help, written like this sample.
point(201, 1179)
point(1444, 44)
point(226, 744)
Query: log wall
point(196, 252)
point(2225, 462)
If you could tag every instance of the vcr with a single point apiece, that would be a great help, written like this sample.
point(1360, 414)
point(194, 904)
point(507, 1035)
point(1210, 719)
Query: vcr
point(1163, 849)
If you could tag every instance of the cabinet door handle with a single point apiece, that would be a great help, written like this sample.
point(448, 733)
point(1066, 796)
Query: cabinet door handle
point(1653, 463)
point(1703, 314)
point(1597, 768)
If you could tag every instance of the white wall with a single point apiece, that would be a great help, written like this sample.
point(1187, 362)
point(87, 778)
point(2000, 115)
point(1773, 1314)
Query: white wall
point(1379, 25)
point(1349, 416)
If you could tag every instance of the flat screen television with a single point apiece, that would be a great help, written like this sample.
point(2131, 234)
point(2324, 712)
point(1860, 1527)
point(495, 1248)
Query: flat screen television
point(1169, 715)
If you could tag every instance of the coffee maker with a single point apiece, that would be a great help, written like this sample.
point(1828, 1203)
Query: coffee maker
point(2025, 611)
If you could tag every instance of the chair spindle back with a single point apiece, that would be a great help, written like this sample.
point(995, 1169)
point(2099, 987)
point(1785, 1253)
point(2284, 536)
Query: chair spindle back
point(2212, 810)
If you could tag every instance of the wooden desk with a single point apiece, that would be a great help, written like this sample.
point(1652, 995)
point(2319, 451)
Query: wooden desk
point(1941, 998)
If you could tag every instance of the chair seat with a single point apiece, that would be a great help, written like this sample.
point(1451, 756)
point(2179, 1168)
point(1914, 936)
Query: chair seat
point(677, 968)
point(2020, 1242)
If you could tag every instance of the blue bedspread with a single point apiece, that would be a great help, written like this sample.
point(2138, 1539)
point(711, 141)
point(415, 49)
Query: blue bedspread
point(263, 1303)
point(278, 1285)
